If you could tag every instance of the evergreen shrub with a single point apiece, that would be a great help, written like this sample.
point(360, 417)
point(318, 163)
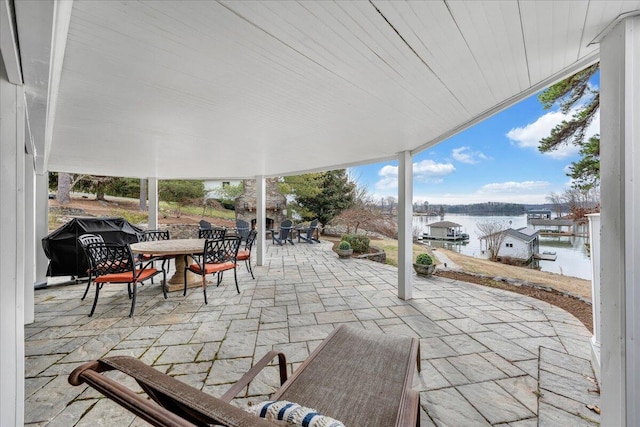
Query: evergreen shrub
point(424, 259)
point(358, 242)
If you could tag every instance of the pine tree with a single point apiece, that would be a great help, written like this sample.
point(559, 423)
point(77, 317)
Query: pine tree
point(322, 195)
point(576, 94)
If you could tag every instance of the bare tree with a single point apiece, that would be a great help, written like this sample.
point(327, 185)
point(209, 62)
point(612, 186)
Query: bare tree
point(392, 201)
point(358, 217)
point(493, 232)
point(582, 202)
point(557, 201)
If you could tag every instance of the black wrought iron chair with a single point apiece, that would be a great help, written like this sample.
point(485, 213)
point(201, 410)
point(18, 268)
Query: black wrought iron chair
point(245, 254)
point(307, 233)
point(154, 236)
point(114, 263)
point(284, 234)
point(212, 233)
point(218, 256)
point(84, 240)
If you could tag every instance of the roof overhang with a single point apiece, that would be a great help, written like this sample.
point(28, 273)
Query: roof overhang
point(203, 89)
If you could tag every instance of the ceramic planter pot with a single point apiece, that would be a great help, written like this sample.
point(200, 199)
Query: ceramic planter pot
point(344, 253)
point(424, 270)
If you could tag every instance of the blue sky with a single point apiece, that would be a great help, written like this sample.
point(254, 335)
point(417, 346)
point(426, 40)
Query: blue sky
point(496, 160)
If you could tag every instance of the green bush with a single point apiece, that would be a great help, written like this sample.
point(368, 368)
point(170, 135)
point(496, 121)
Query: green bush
point(424, 259)
point(358, 242)
point(132, 217)
point(344, 245)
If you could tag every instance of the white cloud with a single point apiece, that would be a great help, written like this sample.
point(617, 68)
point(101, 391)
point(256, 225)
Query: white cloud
point(389, 178)
point(465, 155)
point(513, 187)
point(423, 171)
point(428, 170)
point(530, 135)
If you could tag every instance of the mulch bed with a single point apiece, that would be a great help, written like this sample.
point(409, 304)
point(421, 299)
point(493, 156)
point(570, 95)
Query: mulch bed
point(580, 309)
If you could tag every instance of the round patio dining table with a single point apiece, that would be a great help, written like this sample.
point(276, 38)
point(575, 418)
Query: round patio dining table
point(181, 249)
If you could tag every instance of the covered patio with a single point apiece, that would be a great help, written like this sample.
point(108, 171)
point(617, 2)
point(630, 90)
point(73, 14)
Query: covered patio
point(178, 90)
point(489, 357)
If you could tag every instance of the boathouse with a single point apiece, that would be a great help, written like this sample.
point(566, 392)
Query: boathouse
point(539, 214)
point(445, 230)
point(522, 244)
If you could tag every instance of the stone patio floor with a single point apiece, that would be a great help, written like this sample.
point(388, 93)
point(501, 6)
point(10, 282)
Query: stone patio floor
point(489, 357)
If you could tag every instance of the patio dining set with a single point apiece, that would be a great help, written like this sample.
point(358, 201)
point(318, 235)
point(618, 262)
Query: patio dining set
point(216, 250)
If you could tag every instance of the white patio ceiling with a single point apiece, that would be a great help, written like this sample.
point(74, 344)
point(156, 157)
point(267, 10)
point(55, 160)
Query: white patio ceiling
point(205, 89)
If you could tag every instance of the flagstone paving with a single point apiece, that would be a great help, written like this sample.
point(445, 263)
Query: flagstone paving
point(489, 357)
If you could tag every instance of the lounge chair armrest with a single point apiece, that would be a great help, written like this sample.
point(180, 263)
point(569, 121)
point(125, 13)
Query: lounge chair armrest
point(255, 370)
point(178, 403)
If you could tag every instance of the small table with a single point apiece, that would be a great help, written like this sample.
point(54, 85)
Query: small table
point(175, 247)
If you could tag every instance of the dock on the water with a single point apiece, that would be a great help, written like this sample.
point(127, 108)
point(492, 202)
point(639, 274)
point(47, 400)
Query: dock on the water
point(546, 257)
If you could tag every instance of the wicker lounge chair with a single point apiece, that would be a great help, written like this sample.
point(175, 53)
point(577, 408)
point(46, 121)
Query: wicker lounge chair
point(357, 377)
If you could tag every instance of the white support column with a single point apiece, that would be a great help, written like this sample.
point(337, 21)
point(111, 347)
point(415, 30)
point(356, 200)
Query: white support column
point(42, 227)
point(30, 240)
point(594, 253)
point(261, 220)
point(620, 217)
point(405, 225)
point(12, 151)
point(153, 204)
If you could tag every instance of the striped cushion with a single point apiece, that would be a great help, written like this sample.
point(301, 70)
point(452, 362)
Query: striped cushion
point(293, 414)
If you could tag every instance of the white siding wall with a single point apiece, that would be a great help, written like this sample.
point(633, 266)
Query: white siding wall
point(520, 249)
point(214, 184)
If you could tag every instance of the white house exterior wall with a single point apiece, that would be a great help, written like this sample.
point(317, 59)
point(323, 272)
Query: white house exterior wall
point(519, 250)
point(211, 185)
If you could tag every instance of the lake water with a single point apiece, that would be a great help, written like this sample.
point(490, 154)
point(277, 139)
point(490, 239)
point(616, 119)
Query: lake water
point(573, 258)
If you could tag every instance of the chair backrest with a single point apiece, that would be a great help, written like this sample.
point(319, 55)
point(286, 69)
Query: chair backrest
point(212, 233)
point(251, 238)
point(221, 250)
point(153, 235)
point(204, 225)
point(110, 258)
point(242, 227)
point(286, 224)
point(285, 229)
point(313, 226)
point(85, 240)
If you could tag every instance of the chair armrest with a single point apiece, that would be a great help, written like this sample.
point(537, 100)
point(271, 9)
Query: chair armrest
point(255, 370)
point(178, 403)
